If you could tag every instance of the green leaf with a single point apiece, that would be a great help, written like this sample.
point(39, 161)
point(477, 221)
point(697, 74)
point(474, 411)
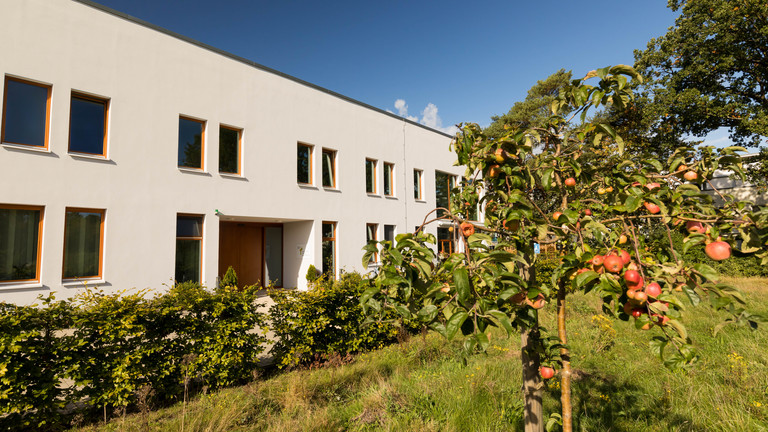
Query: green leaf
point(657, 345)
point(546, 178)
point(679, 328)
point(706, 271)
point(584, 278)
point(454, 323)
point(503, 321)
point(461, 280)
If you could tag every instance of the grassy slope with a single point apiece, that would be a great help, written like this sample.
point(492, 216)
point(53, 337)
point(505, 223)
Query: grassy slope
point(423, 386)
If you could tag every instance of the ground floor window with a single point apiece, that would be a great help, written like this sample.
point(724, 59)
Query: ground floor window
point(329, 248)
point(444, 241)
point(189, 247)
point(389, 233)
point(371, 231)
point(83, 240)
point(20, 236)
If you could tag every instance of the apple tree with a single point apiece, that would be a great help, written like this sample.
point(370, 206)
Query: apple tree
point(569, 182)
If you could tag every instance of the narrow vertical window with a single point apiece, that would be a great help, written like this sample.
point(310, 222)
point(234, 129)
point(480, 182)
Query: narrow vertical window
point(83, 243)
point(329, 168)
point(189, 248)
point(26, 108)
point(443, 184)
point(88, 125)
point(229, 149)
point(389, 179)
point(417, 182)
point(370, 176)
point(20, 236)
point(191, 143)
point(444, 241)
point(389, 233)
point(329, 249)
point(371, 236)
point(304, 164)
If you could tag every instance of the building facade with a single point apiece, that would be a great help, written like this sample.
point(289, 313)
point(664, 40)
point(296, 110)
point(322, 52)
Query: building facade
point(134, 157)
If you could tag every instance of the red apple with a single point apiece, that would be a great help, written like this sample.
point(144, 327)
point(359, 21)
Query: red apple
point(640, 297)
point(625, 258)
point(651, 207)
point(718, 250)
point(570, 182)
point(467, 229)
point(653, 289)
point(494, 171)
point(500, 155)
point(613, 263)
point(587, 212)
point(637, 312)
point(690, 175)
point(632, 277)
point(556, 216)
point(693, 226)
point(536, 303)
point(597, 260)
point(653, 185)
point(546, 372)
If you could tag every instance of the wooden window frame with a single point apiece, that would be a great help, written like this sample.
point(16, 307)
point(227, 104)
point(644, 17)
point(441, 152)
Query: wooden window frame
point(47, 111)
point(375, 231)
point(100, 275)
point(375, 169)
point(203, 132)
point(419, 176)
point(239, 149)
point(391, 177)
point(38, 259)
point(310, 176)
point(101, 100)
point(333, 168)
point(200, 238)
point(334, 239)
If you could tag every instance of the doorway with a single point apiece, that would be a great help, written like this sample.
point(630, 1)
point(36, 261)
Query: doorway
point(254, 250)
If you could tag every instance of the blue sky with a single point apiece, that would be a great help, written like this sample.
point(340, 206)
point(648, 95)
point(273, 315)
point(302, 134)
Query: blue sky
point(446, 62)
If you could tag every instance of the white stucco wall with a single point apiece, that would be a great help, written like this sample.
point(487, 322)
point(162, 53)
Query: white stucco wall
point(150, 79)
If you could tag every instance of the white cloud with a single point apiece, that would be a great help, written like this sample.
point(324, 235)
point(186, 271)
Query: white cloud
point(429, 116)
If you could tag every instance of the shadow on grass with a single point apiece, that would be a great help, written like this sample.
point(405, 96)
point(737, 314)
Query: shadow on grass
point(604, 403)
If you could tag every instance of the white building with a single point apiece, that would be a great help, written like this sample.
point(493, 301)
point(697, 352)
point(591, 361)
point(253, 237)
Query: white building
point(132, 156)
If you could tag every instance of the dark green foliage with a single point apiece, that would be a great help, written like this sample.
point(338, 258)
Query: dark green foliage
point(229, 279)
point(112, 345)
point(325, 320)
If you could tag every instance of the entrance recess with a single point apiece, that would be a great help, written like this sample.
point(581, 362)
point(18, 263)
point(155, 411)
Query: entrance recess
point(254, 250)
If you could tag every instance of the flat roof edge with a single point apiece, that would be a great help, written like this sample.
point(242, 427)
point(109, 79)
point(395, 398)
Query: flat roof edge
point(251, 63)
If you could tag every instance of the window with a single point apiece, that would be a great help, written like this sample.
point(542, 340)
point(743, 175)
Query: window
point(443, 184)
point(88, 125)
point(26, 107)
point(329, 249)
point(370, 235)
point(304, 164)
point(83, 241)
point(229, 149)
point(20, 237)
point(370, 176)
point(444, 241)
point(191, 143)
point(189, 247)
point(389, 177)
point(389, 233)
point(329, 168)
point(417, 194)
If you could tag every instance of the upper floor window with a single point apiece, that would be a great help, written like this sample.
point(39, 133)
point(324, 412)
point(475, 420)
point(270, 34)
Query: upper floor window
point(304, 164)
point(389, 179)
point(229, 149)
point(88, 124)
point(417, 184)
point(83, 242)
point(370, 176)
point(329, 168)
point(21, 230)
point(191, 143)
point(26, 108)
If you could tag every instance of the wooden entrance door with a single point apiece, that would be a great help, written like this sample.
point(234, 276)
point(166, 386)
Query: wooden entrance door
point(241, 245)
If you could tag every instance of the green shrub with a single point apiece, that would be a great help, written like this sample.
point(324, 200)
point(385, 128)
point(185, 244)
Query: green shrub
point(33, 359)
point(323, 321)
point(113, 345)
point(312, 274)
point(229, 279)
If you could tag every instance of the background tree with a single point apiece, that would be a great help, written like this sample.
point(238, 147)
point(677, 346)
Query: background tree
point(605, 206)
point(534, 109)
point(710, 70)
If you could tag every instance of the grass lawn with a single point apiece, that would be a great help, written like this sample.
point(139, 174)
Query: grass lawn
point(422, 385)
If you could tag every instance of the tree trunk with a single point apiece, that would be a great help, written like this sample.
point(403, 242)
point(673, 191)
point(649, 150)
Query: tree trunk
point(532, 385)
point(565, 372)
